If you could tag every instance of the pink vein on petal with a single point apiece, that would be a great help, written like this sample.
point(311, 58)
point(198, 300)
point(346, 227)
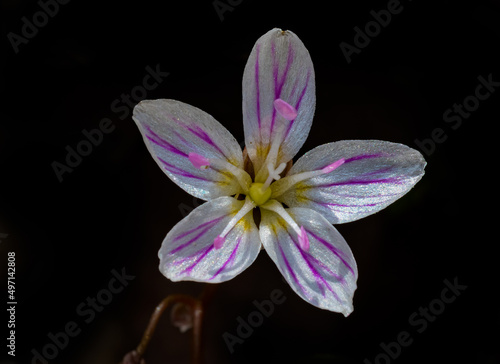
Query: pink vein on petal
point(290, 270)
point(198, 132)
point(361, 196)
point(278, 86)
point(202, 134)
point(230, 259)
point(362, 156)
point(322, 203)
point(320, 280)
point(257, 96)
point(299, 101)
point(204, 252)
point(211, 222)
point(156, 139)
point(332, 249)
point(393, 180)
point(180, 172)
point(317, 276)
point(189, 242)
point(328, 270)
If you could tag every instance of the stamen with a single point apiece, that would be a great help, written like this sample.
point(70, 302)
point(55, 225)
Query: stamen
point(278, 208)
point(287, 182)
point(198, 161)
point(247, 207)
point(243, 177)
point(289, 113)
point(272, 156)
point(285, 109)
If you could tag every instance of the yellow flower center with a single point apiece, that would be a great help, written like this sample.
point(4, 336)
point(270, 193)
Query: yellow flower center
point(258, 194)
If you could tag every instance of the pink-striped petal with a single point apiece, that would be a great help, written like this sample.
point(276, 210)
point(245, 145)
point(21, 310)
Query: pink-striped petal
point(373, 175)
point(191, 147)
point(324, 275)
point(188, 252)
point(278, 96)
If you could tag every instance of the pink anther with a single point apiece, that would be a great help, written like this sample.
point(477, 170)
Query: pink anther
point(285, 109)
point(333, 166)
point(218, 242)
point(198, 161)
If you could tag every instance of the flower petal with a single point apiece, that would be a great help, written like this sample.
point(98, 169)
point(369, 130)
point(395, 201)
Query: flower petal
point(180, 137)
point(324, 275)
point(279, 68)
point(373, 175)
point(188, 252)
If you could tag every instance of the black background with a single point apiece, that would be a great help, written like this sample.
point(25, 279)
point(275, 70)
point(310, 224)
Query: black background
point(114, 209)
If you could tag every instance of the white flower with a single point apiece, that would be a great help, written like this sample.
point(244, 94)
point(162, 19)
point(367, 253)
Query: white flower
point(331, 184)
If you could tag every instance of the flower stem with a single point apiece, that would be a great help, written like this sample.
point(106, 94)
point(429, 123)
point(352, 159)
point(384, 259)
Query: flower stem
point(197, 307)
point(155, 317)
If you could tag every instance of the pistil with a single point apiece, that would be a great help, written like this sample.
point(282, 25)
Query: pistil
point(260, 192)
point(274, 174)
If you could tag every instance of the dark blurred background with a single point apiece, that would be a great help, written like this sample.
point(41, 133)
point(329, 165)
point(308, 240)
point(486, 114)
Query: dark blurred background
point(111, 211)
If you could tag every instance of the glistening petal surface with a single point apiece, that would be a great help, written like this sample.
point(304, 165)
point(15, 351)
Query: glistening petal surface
point(373, 175)
point(172, 129)
point(325, 275)
point(188, 253)
point(279, 67)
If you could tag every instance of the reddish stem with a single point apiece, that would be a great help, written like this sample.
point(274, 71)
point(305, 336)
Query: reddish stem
point(197, 307)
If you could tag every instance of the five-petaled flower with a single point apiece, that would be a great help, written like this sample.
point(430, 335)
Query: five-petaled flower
point(331, 184)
